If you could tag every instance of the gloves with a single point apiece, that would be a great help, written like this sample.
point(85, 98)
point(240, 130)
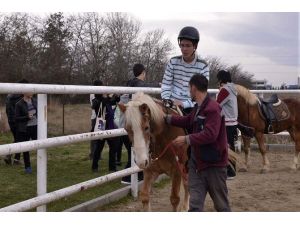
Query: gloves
point(168, 103)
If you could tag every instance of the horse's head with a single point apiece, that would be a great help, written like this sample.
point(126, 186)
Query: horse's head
point(142, 119)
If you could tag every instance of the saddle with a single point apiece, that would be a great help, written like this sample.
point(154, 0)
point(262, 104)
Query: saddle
point(273, 99)
point(169, 104)
point(273, 110)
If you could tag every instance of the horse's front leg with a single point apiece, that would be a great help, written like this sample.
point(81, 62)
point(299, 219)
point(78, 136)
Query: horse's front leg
point(295, 163)
point(145, 190)
point(175, 198)
point(186, 200)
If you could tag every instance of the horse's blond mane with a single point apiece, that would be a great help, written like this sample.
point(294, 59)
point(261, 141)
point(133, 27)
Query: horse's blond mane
point(246, 94)
point(133, 114)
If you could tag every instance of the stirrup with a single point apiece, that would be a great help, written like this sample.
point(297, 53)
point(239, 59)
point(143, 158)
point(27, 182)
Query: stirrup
point(270, 129)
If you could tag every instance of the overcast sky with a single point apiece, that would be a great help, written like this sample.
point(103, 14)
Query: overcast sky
point(265, 44)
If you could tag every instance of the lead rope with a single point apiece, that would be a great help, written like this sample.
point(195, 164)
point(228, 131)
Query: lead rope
point(179, 165)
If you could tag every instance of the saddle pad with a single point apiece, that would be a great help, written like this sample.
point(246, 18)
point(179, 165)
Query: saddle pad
point(281, 111)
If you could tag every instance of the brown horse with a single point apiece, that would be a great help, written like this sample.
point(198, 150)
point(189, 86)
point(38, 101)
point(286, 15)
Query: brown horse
point(249, 115)
point(150, 136)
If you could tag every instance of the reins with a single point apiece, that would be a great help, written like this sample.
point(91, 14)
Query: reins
point(169, 106)
point(179, 165)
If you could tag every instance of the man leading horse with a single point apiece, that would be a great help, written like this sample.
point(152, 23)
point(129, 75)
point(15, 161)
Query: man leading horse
point(208, 152)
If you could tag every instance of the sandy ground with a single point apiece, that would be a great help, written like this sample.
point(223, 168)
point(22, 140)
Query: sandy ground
point(278, 190)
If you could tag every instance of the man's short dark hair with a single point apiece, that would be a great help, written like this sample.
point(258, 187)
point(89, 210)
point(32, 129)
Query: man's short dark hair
point(23, 81)
point(200, 82)
point(97, 83)
point(224, 76)
point(138, 69)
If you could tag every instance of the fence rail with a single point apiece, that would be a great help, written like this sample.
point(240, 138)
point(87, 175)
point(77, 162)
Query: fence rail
point(43, 142)
point(58, 141)
point(59, 194)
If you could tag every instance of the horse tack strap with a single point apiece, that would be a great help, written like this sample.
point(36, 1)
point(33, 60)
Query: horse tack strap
point(179, 165)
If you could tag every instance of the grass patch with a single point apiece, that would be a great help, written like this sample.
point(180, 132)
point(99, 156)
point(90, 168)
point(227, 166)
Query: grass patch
point(67, 165)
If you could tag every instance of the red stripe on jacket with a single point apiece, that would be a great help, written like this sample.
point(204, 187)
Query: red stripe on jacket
point(222, 95)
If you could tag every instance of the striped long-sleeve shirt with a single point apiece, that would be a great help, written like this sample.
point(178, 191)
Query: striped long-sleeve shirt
point(175, 83)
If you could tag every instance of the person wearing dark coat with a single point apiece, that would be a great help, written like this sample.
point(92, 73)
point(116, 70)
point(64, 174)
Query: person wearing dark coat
point(208, 148)
point(10, 104)
point(26, 124)
point(104, 103)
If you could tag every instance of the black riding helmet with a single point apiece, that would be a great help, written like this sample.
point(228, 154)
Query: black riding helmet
point(224, 76)
point(189, 33)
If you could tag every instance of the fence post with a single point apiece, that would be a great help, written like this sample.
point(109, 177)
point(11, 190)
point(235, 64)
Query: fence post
point(42, 153)
point(134, 178)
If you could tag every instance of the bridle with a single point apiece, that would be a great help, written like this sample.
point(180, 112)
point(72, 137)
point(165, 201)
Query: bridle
point(180, 166)
point(168, 105)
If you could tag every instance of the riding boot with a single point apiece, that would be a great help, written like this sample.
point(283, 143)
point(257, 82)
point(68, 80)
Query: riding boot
point(270, 129)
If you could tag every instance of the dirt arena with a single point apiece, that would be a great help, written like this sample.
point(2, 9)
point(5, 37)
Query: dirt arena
point(278, 190)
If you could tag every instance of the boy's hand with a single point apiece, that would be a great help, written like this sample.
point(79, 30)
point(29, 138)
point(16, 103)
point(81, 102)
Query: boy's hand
point(180, 141)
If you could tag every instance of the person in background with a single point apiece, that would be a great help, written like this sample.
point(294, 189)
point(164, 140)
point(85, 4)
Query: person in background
point(139, 80)
point(26, 124)
point(104, 103)
point(10, 104)
point(180, 69)
point(227, 98)
point(93, 121)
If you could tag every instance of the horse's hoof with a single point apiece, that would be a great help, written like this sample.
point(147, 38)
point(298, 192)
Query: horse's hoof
point(183, 208)
point(263, 171)
point(146, 207)
point(294, 168)
point(244, 169)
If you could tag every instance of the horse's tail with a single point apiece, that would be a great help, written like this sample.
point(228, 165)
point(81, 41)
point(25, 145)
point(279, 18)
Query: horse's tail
point(235, 158)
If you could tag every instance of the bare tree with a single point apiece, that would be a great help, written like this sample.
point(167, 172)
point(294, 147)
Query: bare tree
point(237, 74)
point(153, 53)
point(18, 51)
point(87, 46)
point(122, 40)
point(54, 57)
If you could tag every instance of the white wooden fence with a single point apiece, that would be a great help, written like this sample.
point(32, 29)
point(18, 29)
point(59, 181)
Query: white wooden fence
point(43, 142)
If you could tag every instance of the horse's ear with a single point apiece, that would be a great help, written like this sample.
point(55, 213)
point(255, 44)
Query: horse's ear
point(143, 108)
point(122, 107)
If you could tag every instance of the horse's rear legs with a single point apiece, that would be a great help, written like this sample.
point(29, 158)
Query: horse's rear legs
point(246, 145)
point(295, 163)
point(261, 143)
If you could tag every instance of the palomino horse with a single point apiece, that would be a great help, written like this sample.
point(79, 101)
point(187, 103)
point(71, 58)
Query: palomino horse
point(150, 136)
point(249, 115)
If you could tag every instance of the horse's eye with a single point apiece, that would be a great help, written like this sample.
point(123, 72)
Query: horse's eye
point(146, 128)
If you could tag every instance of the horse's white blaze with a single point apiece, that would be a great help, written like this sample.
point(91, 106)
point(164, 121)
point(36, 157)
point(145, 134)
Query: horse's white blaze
point(140, 147)
point(134, 120)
